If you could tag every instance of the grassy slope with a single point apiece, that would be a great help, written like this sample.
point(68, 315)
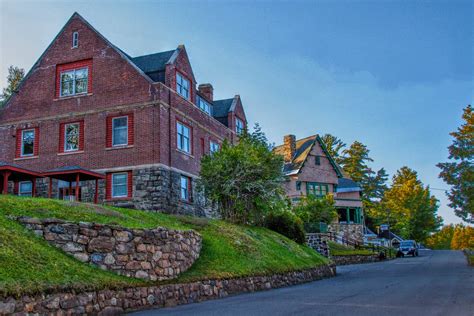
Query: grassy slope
point(341, 250)
point(228, 250)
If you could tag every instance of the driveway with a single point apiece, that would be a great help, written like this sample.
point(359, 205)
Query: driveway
point(435, 283)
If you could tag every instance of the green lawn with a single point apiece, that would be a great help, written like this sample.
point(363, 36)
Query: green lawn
point(28, 264)
point(336, 249)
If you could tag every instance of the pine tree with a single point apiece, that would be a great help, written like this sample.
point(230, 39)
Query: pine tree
point(15, 75)
point(459, 172)
point(334, 146)
point(412, 207)
point(355, 161)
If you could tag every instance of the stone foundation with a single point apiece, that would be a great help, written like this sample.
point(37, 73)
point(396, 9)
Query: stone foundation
point(115, 302)
point(349, 231)
point(154, 254)
point(319, 242)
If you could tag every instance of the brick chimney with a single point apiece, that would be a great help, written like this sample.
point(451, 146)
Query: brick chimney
point(289, 147)
point(207, 90)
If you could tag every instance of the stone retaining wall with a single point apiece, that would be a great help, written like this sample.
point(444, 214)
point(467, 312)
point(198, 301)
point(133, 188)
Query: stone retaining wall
point(114, 302)
point(354, 259)
point(154, 254)
point(319, 242)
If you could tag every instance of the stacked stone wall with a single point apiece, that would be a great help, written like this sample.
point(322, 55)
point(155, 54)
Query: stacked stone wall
point(115, 302)
point(319, 242)
point(154, 254)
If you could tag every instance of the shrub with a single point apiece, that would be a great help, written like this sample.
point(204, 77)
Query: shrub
point(314, 211)
point(287, 224)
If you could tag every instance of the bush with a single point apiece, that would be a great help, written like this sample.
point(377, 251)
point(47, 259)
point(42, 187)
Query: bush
point(314, 211)
point(287, 224)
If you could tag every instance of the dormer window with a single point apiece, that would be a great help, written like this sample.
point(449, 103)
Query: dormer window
point(182, 86)
point(75, 39)
point(204, 105)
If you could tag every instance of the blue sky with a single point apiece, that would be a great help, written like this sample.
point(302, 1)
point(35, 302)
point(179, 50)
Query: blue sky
point(394, 75)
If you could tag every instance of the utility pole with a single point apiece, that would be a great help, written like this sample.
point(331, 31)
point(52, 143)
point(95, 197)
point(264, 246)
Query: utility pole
point(389, 235)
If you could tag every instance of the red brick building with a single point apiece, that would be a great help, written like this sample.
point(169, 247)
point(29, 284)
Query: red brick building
point(143, 121)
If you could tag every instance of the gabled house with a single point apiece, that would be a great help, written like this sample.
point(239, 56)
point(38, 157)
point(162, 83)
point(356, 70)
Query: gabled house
point(310, 170)
point(143, 122)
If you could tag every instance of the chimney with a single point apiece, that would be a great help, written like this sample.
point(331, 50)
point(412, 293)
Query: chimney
point(207, 91)
point(289, 147)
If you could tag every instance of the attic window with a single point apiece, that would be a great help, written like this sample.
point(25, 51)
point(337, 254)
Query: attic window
point(75, 39)
point(182, 86)
point(317, 160)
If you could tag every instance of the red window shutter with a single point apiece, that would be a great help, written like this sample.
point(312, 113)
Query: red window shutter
point(130, 184)
point(36, 143)
point(61, 137)
point(131, 129)
point(108, 141)
point(108, 186)
point(190, 189)
point(81, 135)
point(202, 147)
point(18, 144)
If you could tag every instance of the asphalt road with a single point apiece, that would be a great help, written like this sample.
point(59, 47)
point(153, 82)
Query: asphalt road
point(435, 283)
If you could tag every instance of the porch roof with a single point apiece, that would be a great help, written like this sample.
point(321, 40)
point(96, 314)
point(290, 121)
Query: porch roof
point(17, 172)
point(70, 173)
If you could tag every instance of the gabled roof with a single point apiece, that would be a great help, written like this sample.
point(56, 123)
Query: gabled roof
point(303, 148)
point(154, 62)
point(68, 173)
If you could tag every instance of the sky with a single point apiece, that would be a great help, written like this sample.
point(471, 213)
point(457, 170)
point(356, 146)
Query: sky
point(394, 75)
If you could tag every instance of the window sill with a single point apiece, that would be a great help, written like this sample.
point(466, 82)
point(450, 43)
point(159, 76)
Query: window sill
point(73, 97)
point(71, 153)
point(189, 202)
point(119, 147)
point(26, 158)
point(184, 153)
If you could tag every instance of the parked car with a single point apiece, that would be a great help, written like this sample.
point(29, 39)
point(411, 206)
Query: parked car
point(408, 247)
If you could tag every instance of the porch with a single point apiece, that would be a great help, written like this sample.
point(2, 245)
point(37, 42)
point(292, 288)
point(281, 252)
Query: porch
point(24, 180)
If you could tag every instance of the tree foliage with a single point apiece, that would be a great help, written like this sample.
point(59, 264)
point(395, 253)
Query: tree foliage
point(244, 180)
point(286, 223)
point(463, 237)
point(442, 238)
point(15, 75)
point(334, 146)
point(313, 211)
point(412, 208)
point(459, 172)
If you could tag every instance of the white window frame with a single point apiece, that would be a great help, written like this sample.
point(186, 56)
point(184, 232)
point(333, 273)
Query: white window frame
point(74, 82)
point(112, 184)
point(20, 193)
point(186, 189)
point(78, 136)
point(180, 86)
point(126, 126)
point(239, 128)
point(203, 104)
point(34, 141)
point(183, 137)
point(214, 147)
point(75, 39)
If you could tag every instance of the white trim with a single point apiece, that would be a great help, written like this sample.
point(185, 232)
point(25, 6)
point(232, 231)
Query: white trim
point(112, 185)
point(73, 82)
point(124, 144)
point(22, 154)
point(159, 165)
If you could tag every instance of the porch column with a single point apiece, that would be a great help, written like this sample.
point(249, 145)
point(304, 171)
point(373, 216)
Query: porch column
point(33, 191)
point(6, 174)
point(348, 214)
point(77, 187)
point(50, 190)
point(96, 194)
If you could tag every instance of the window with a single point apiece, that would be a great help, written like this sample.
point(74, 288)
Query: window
point(25, 188)
point(186, 189)
point(120, 131)
point(119, 185)
point(239, 126)
point(74, 81)
point(213, 147)
point(27, 142)
point(317, 160)
point(317, 189)
point(71, 137)
point(204, 105)
point(75, 39)
point(183, 137)
point(182, 86)
point(298, 185)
